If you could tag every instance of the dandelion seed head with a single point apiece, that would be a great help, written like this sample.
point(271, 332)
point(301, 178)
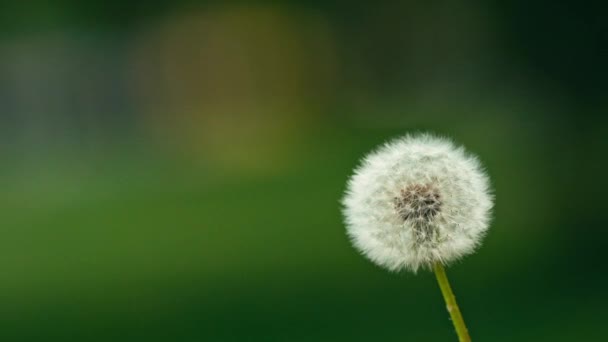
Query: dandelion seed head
point(415, 201)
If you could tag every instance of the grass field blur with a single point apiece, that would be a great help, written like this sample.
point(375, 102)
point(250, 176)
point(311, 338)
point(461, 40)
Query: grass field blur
point(126, 247)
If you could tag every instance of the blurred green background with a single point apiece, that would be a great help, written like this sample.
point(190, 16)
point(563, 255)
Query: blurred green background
point(172, 170)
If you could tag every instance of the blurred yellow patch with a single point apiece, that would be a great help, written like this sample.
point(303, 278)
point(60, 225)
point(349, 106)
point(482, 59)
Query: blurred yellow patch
point(238, 86)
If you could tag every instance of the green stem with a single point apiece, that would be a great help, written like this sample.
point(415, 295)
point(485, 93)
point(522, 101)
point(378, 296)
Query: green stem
point(450, 301)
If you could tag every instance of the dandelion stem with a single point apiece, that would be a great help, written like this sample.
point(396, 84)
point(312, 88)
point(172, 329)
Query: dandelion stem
point(450, 301)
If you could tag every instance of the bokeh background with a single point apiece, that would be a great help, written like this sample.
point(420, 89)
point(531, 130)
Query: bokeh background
point(172, 170)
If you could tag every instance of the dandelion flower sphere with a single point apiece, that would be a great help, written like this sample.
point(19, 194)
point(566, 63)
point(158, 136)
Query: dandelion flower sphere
point(417, 201)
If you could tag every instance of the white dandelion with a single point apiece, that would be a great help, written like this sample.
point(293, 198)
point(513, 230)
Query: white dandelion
point(418, 201)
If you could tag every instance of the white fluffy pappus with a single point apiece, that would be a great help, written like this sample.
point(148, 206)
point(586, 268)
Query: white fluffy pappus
point(415, 201)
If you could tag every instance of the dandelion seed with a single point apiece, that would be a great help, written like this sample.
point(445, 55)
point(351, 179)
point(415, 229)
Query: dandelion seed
point(416, 201)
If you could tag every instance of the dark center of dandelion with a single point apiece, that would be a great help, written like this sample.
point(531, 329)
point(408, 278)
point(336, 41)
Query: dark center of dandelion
point(418, 203)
